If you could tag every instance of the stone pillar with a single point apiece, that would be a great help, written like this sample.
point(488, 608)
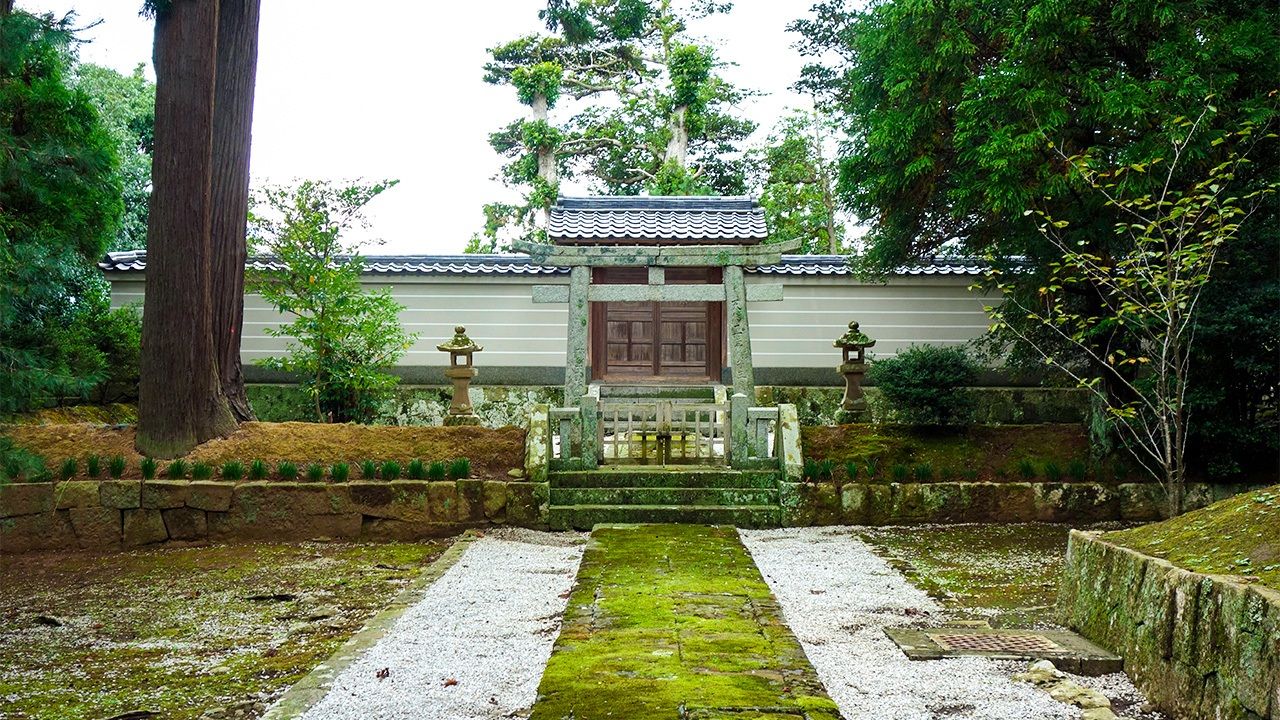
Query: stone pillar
point(575, 360)
point(739, 445)
point(744, 376)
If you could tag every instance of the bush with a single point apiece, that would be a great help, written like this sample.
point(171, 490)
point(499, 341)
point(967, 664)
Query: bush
point(201, 470)
point(232, 470)
point(116, 467)
point(369, 470)
point(258, 470)
point(93, 466)
point(873, 466)
point(340, 472)
point(1078, 469)
point(928, 384)
point(417, 471)
point(851, 471)
point(901, 472)
point(923, 472)
point(69, 469)
point(1026, 469)
point(176, 470)
point(391, 470)
point(437, 471)
point(287, 470)
point(315, 472)
point(148, 468)
point(809, 473)
point(1051, 471)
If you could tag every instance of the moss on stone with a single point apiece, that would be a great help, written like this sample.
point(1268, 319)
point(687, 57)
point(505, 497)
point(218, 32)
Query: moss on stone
point(1236, 536)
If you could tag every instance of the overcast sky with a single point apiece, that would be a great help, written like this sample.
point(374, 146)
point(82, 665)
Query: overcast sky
point(394, 90)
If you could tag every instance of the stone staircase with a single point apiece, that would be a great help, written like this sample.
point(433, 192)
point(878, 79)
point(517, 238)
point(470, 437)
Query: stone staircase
point(672, 494)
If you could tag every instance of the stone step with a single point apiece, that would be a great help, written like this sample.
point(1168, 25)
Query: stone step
point(585, 517)
point(663, 496)
point(664, 477)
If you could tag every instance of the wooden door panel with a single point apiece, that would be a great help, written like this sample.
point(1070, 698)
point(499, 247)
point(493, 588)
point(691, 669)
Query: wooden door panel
point(654, 340)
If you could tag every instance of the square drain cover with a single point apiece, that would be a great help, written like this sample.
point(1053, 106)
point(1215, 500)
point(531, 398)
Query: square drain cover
point(988, 641)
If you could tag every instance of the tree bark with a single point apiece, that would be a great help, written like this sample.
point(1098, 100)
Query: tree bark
point(678, 145)
point(237, 62)
point(6, 7)
point(180, 399)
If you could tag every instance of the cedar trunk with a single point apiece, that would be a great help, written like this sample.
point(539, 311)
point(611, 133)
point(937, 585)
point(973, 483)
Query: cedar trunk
point(232, 134)
point(180, 399)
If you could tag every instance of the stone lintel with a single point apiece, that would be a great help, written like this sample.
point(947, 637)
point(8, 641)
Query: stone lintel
point(764, 292)
point(656, 255)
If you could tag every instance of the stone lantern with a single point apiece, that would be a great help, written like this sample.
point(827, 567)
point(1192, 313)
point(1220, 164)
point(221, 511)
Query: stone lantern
point(853, 344)
point(460, 371)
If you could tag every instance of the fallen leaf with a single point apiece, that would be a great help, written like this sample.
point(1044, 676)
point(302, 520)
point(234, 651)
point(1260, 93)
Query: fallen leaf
point(450, 682)
point(384, 673)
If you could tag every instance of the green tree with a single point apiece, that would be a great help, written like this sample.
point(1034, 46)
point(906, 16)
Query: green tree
point(796, 181)
point(127, 105)
point(59, 208)
point(341, 338)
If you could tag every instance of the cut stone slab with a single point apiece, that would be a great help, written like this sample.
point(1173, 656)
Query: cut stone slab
point(1066, 650)
point(670, 621)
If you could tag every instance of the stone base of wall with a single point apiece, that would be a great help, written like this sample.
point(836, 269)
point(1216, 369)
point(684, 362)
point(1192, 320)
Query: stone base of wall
point(92, 514)
point(1200, 646)
point(826, 503)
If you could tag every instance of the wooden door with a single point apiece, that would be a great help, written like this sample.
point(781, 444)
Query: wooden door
point(656, 340)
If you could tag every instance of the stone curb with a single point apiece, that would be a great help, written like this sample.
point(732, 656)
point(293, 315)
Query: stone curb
point(312, 688)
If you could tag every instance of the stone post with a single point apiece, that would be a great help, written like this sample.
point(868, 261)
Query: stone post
point(739, 446)
point(575, 361)
point(744, 377)
point(460, 371)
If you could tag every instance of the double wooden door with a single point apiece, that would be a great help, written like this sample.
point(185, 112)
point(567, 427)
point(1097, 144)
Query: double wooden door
point(657, 340)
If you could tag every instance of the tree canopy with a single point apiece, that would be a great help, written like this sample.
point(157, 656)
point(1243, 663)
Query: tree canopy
point(127, 106)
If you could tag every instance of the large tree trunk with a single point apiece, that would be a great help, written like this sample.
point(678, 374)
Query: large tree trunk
point(232, 135)
point(547, 169)
point(678, 145)
point(6, 7)
point(180, 399)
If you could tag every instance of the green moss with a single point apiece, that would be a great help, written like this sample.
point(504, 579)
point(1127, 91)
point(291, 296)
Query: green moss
point(178, 631)
point(1236, 536)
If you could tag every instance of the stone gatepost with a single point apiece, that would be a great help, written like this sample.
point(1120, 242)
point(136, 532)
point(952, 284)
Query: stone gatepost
point(853, 345)
point(460, 371)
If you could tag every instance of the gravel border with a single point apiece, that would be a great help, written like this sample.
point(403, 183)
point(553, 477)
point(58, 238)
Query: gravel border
point(838, 596)
point(472, 643)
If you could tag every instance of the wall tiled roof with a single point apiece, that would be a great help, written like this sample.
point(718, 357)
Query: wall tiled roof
point(839, 265)
point(735, 219)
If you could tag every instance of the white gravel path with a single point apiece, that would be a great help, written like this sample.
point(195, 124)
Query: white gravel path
point(838, 596)
point(476, 645)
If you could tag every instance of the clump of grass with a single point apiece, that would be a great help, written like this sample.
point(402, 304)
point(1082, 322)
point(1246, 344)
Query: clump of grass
point(416, 470)
point(315, 472)
point(148, 468)
point(287, 470)
point(368, 470)
point(969, 473)
point(851, 471)
point(201, 470)
point(93, 466)
point(1051, 471)
point(923, 472)
point(116, 466)
point(873, 467)
point(826, 469)
point(390, 470)
point(232, 470)
point(901, 472)
point(437, 471)
point(176, 470)
point(1078, 469)
point(460, 469)
point(340, 472)
point(258, 470)
point(1026, 469)
point(69, 469)
point(809, 472)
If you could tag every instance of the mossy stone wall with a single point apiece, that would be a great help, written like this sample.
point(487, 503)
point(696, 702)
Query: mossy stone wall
point(1200, 646)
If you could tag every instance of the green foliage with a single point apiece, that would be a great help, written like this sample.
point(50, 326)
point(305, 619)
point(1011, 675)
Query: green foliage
point(176, 470)
point(1078, 469)
point(127, 106)
point(437, 471)
point(809, 471)
point(900, 472)
point(796, 183)
point(258, 470)
point(873, 467)
point(340, 472)
point(460, 469)
point(68, 469)
point(341, 338)
point(93, 467)
point(390, 470)
point(928, 384)
point(1051, 471)
point(201, 470)
point(287, 471)
point(315, 472)
point(1026, 468)
point(416, 470)
point(232, 470)
point(689, 68)
point(851, 471)
point(923, 472)
point(368, 470)
point(19, 465)
point(116, 466)
point(148, 468)
point(539, 80)
point(673, 178)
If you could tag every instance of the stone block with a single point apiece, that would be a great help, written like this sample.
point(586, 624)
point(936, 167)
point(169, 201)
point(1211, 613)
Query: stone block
point(77, 494)
point(25, 499)
point(399, 500)
point(210, 496)
point(165, 494)
point(120, 494)
point(443, 501)
point(143, 526)
point(186, 523)
point(405, 530)
point(495, 500)
point(470, 500)
point(236, 525)
point(853, 504)
point(40, 531)
point(95, 527)
point(523, 506)
point(279, 501)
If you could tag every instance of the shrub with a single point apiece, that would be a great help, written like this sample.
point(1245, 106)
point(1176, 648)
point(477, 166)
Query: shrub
point(923, 472)
point(93, 466)
point(437, 471)
point(901, 472)
point(148, 468)
point(417, 471)
point(1078, 469)
point(258, 470)
point(391, 470)
point(176, 470)
point(232, 470)
point(851, 471)
point(1051, 471)
point(1026, 469)
point(116, 466)
point(826, 469)
point(201, 470)
point(315, 472)
point(340, 472)
point(809, 473)
point(287, 470)
point(460, 469)
point(928, 384)
point(69, 468)
point(368, 470)
point(873, 466)
point(969, 473)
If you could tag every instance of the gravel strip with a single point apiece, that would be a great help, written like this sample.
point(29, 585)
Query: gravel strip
point(838, 596)
point(476, 644)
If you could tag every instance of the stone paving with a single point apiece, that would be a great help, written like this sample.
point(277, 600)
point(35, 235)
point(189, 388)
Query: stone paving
point(675, 621)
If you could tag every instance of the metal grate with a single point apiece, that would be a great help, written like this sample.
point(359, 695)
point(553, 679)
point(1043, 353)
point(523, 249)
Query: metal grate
point(995, 642)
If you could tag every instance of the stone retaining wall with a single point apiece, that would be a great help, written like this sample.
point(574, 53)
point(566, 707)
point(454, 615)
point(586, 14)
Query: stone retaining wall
point(827, 503)
point(90, 514)
point(1200, 646)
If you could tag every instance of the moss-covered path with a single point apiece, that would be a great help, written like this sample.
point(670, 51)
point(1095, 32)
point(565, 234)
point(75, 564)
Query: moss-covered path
point(675, 621)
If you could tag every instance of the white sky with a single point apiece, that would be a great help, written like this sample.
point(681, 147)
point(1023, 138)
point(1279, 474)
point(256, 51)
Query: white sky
point(394, 90)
